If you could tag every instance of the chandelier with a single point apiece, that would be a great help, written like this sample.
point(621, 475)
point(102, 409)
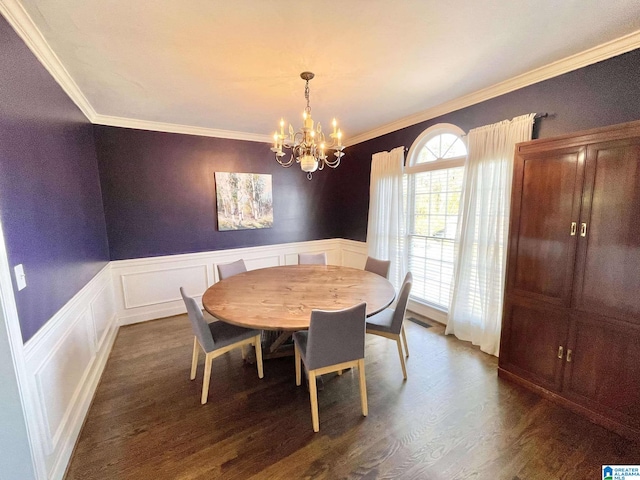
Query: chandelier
point(308, 146)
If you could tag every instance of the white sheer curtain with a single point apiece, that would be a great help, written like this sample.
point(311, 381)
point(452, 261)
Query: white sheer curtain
point(475, 313)
point(386, 226)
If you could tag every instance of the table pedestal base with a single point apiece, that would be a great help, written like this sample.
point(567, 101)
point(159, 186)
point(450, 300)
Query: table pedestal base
point(276, 344)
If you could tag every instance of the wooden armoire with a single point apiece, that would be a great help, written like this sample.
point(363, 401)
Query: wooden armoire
point(571, 321)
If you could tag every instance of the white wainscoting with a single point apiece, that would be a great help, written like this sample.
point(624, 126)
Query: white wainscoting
point(66, 358)
point(148, 288)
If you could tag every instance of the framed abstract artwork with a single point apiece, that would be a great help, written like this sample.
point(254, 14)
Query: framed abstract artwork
point(244, 201)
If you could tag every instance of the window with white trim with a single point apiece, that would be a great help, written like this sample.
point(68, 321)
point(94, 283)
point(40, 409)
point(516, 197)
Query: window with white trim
point(435, 167)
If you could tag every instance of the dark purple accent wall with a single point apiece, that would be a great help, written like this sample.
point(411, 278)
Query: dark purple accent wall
point(159, 193)
point(50, 201)
point(602, 94)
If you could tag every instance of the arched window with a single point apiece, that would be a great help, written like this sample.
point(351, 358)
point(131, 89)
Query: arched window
point(435, 167)
point(440, 146)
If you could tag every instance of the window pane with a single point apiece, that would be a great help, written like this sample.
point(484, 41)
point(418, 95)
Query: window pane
point(456, 149)
point(446, 145)
point(435, 202)
point(454, 179)
point(446, 142)
point(433, 146)
point(426, 155)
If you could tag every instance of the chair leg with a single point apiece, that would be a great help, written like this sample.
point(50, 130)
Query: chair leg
point(194, 358)
point(207, 376)
point(404, 339)
point(363, 387)
point(244, 352)
point(258, 346)
point(404, 369)
point(297, 362)
point(313, 397)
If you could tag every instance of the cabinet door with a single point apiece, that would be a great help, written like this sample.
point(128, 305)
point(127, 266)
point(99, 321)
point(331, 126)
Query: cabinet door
point(608, 262)
point(602, 370)
point(545, 202)
point(533, 341)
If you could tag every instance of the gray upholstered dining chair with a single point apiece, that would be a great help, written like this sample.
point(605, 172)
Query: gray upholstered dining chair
point(389, 322)
point(381, 267)
point(312, 258)
point(334, 342)
point(215, 339)
point(227, 270)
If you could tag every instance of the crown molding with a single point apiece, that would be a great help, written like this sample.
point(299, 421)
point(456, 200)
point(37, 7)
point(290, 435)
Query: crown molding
point(24, 26)
point(588, 57)
point(21, 22)
point(125, 122)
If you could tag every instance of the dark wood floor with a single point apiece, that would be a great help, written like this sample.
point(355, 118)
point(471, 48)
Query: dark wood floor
point(452, 419)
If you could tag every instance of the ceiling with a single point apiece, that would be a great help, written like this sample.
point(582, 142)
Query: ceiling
point(234, 65)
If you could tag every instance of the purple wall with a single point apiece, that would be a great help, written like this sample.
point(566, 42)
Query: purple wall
point(158, 188)
point(159, 197)
point(602, 94)
point(50, 202)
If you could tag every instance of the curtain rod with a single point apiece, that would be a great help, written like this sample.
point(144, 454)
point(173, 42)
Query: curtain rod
point(536, 117)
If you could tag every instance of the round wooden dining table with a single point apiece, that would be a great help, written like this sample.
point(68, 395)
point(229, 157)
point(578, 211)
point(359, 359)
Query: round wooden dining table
point(281, 298)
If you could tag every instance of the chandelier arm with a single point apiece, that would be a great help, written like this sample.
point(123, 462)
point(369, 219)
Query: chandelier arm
point(332, 163)
point(286, 164)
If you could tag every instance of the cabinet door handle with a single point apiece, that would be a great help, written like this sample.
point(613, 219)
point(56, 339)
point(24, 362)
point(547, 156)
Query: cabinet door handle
point(574, 226)
point(560, 352)
point(569, 352)
point(583, 229)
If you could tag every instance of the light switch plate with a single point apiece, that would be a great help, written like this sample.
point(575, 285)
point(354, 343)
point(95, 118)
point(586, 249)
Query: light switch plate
point(21, 278)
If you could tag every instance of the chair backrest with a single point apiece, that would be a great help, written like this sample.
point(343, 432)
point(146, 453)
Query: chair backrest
point(198, 323)
point(381, 267)
point(230, 269)
point(312, 258)
point(401, 306)
point(336, 336)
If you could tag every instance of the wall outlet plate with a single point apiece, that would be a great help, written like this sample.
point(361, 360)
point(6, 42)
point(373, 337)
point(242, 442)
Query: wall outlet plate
point(21, 278)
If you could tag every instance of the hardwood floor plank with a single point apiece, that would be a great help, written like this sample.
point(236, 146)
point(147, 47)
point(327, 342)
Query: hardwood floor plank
point(452, 418)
